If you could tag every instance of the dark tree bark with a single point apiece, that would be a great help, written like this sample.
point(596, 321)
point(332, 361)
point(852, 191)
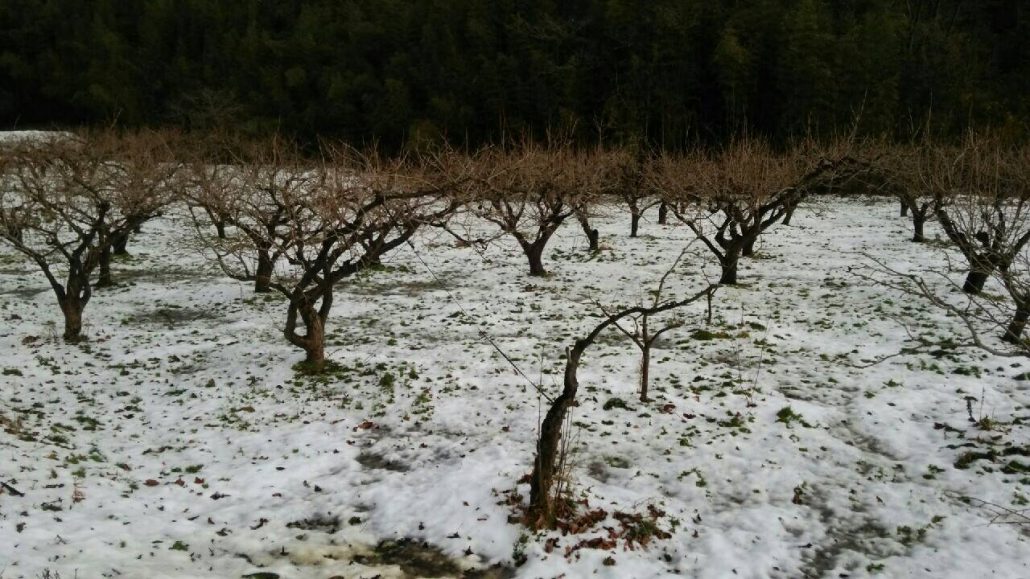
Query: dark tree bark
point(663, 213)
point(535, 254)
point(975, 281)
point(593, 235)
point(104, 278)
point(904, 209)
point(313, 339)
point(634, 222)
point(541, 503)
point(729, 270)
point(263, 274)
point(72, 308)
point(1014, 331)
point(220, 228)
point(121, 245)
point(918, 221)
point(748, 249)
point(789, 214)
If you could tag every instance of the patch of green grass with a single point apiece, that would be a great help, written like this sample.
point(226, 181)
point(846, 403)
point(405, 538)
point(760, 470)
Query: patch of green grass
point(787, 416)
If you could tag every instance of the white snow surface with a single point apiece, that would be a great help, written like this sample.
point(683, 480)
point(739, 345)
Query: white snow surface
point(179, 442)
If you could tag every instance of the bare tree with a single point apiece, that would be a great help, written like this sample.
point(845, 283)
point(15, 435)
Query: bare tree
point(983, 204)
point(643, 333)
point(627, 177)
point(541, 512)
point(900, 171)
point(69, 199)
point(593, 235)
point(145, 166)
point(252, 195)
point(529, 192)
point(353, 209)
point(729, 199)
point(832, 167)
point(980, 317)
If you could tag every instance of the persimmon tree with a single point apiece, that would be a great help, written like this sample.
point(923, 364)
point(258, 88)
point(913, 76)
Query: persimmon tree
point(627, 177)
point(67, 200)
point(251, 194)
point(729, 199)
point(982, 203)
point(644, 332)
point(900, 173)
point(353, 209)
point(542, 508)
point(529, 191)
point(984, 191)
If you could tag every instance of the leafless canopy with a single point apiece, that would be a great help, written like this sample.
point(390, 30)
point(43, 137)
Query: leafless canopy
point(68, 199)
point(529, 191)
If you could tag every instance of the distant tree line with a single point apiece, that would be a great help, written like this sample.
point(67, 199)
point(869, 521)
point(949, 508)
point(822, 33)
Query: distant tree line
point(665, 73)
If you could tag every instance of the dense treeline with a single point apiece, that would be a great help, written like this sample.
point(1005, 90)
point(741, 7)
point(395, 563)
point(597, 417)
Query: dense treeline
point(666, 72)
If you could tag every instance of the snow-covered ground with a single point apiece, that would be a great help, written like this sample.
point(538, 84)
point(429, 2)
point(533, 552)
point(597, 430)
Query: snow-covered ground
point(178, 441)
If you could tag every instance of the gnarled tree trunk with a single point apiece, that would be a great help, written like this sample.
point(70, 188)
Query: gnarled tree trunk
point(535, 255)
point(104, 277)
point(728, 264)
point(312, 341)
point(593, 235)
point(789, 213)
point(975, 280)
point(748, 248)
point(121, 244)
point(541, 510)
point(918, 221)
point(541, 503)
point(1014, 331)
point(263, 274)
point(72, 310)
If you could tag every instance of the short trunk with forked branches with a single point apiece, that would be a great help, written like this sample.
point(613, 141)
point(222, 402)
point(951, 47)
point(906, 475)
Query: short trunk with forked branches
point(542, 502)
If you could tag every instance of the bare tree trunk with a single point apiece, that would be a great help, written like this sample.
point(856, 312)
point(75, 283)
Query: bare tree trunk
point(121, 245)
point(71, 307)
point(975, 280)
point(645, 369)
point(904, 209)
point(749, 247)
point(789, 213)
point(314, 352)
point(729, 269)
point(535, 255)
point(918, 220)
point(220, 228)
point(104, 279)
point(312, 341)
point(1014, 331)
point(593, 235)
point(541, 507)
point(663, 213)
point(634, 222)
point(263, 275)
point(541, 503)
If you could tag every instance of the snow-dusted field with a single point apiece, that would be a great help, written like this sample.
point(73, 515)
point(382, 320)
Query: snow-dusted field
point(178, 441)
